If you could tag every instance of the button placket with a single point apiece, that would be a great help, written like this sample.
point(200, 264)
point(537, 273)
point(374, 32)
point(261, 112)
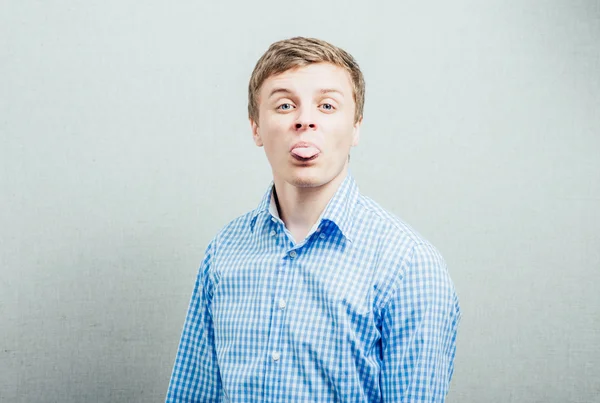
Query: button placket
point(281, 284)
point(284, 277)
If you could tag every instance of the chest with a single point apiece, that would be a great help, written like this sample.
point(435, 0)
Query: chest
point(301, 281)
point(295, 313)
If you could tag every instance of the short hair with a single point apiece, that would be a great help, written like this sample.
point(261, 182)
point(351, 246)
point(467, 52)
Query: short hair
point(299, 52)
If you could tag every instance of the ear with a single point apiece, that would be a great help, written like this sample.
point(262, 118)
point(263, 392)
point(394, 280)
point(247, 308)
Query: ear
point(255, 133)
point(356, 132)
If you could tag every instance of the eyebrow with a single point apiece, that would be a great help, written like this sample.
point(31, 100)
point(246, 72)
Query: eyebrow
point(279, 91)
point(330, 90)
point(323, 91)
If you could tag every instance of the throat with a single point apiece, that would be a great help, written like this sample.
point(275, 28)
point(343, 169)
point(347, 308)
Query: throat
point(299, 234)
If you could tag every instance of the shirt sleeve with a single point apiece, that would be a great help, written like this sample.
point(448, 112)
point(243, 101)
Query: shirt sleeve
point(419, 325)
point(195, 376)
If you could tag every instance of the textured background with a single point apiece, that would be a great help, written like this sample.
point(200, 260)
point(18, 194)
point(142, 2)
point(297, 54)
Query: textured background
point(124, 147)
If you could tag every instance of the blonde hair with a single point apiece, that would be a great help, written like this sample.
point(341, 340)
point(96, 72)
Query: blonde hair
point(299, 52)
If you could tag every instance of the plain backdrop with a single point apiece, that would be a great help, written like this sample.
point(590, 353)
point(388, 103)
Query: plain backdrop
point(125, 147)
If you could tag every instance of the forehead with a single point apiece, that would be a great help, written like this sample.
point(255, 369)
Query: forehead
point(311, 78)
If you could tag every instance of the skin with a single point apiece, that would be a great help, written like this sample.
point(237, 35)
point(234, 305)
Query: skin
point(296, 106)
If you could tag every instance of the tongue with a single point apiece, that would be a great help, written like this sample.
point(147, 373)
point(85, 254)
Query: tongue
point(305, 152)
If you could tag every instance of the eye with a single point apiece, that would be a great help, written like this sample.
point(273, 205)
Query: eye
point(285, 107)
point(327, 107)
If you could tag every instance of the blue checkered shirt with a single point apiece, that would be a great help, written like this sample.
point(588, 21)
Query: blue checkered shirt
point(362, 310)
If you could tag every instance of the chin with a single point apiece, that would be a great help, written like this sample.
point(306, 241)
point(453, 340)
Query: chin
point(306, 178)
point(305, 182)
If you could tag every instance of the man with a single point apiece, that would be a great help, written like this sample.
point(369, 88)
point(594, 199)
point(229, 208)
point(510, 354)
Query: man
point(318, 294)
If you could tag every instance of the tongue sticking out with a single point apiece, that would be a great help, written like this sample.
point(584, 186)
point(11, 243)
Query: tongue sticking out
point(305, 152)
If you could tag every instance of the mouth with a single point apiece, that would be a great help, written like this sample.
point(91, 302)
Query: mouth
point(302, 159)
point(304, 151)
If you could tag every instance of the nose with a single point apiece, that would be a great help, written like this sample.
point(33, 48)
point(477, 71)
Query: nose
point(305, 121)
point(301, 125)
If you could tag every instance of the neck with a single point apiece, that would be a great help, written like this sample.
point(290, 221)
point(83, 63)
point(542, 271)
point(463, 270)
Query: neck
point(300, 207)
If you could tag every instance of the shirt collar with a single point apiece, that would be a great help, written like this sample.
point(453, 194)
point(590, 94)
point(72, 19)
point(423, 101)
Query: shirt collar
point(339, 210)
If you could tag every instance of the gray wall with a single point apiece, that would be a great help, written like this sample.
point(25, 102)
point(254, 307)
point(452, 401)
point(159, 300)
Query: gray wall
point(125, 147)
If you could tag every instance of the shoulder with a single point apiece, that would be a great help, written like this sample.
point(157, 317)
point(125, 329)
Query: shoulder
point(222, 247)
point(403, 254)
point(234, 232)
point(397, 236)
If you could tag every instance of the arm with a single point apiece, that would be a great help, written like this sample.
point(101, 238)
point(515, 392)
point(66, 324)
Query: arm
point(419, 324)
point(195, 375)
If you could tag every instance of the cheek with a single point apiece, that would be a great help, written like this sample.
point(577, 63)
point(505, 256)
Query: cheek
point(273, 126)
point(272, 134)
point(343, 132)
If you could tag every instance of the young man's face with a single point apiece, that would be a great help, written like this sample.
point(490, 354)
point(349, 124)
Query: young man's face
point(312, 105)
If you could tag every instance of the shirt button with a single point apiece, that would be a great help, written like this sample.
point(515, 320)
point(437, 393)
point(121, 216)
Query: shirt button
point(293, 254)
point(282, 304)
point(276, 356)
point(273, 232)
point(322, 236)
